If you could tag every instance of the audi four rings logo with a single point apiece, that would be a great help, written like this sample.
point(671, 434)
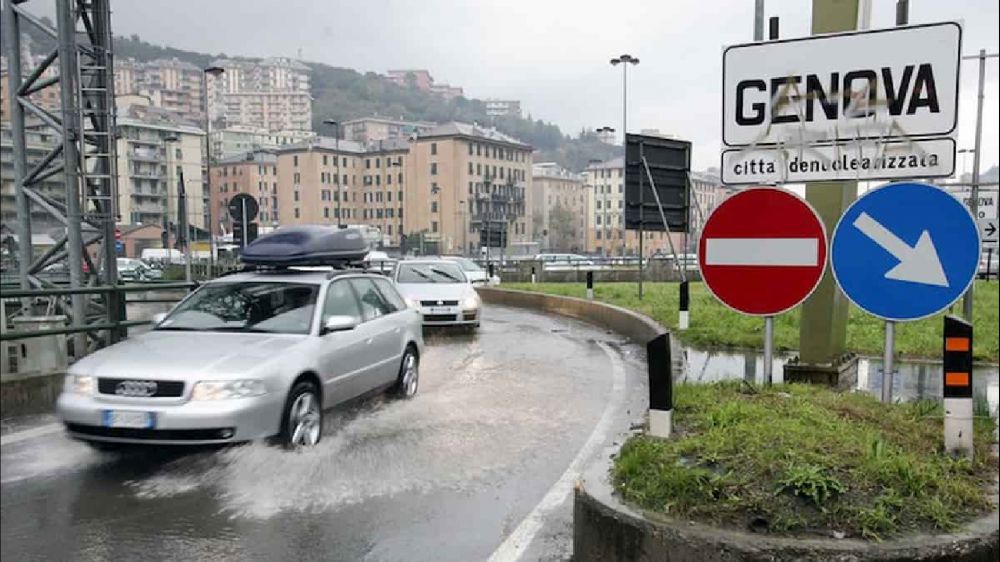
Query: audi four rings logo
point(136, 388)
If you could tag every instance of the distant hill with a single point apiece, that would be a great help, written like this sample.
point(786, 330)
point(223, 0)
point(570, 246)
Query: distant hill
point(344, 93)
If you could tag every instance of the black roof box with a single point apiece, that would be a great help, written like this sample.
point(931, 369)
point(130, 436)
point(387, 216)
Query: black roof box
point(306, 245)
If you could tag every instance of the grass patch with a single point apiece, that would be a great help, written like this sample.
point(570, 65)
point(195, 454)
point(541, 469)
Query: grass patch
point(713, 325)
point(805, 459)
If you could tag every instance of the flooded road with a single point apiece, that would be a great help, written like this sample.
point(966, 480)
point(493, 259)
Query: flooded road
point(502, 421)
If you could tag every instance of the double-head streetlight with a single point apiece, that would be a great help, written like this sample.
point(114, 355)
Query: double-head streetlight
point(336, 149)
point(215, 72)
point(624, 61)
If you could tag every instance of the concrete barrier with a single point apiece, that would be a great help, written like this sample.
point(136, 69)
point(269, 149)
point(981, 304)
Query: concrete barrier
point(632, 325)
point(607, 530)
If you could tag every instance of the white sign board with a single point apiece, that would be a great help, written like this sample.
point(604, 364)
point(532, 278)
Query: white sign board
point(988, 229)
point(863, 160)
point(986, 207)
point(872, 84)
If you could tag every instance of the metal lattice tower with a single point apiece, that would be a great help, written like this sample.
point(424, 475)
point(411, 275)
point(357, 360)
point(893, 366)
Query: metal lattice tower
point(85, 156)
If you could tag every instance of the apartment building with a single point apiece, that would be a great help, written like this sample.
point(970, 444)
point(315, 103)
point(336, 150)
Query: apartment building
point(254, 173)
point(237, 140)
point(500, 108)
point(46, 98)
point(39, 141)
point(171, 84)
point(271, 94)
point(155, 150)
point(558, 208)
point(423, 81)
point(373, 129)
point(467, 178)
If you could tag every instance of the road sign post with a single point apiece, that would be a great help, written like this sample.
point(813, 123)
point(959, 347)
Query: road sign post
point(903, 252)
point(957, 379)
point(762, 252)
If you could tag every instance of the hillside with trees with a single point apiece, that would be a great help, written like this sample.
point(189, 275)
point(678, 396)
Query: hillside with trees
point(344, 93)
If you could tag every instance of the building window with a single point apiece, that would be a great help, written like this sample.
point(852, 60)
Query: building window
point(400, 196)
point(434, 168)
point(296, 196)
point(479, 151)
point(295, 160)
point(434, 226)
point(470, 168)
point(399, 178)
point(434, 148)
point(470, 150)
point(326, 212)
point(297, 178)
point(296, 212)
point(368, 164)
point(434, 206)
point(479, 169)
point(324, 160)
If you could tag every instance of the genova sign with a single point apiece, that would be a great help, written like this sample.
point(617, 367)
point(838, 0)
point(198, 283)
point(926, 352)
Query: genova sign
point(897, 82)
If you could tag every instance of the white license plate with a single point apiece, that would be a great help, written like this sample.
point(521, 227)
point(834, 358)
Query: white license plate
point(125, 418)
point(439, 310)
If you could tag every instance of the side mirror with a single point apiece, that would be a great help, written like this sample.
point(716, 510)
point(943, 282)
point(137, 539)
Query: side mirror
point(159, 317)
point(339, 324)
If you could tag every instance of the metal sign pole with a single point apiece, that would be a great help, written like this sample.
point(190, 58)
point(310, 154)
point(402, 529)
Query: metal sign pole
point(887, 361)
point(642, 217)
point(243, 219)
point(974, 205)
point(768, 349)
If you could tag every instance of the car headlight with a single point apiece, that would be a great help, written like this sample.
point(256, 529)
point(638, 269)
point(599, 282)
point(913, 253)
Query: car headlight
point(470, 302)
point(227, 390)
point(412, 302)
point(79, 384)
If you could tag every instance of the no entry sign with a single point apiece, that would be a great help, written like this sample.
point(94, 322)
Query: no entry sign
point(762, 251)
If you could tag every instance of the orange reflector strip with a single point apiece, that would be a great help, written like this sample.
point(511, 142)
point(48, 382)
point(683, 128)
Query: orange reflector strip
point(956, 379)
point(956, 344)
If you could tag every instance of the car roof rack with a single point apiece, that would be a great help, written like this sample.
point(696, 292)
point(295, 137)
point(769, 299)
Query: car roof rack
point(308, 245)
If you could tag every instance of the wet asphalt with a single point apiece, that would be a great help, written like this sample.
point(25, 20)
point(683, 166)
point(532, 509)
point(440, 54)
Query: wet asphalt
point(503, 420)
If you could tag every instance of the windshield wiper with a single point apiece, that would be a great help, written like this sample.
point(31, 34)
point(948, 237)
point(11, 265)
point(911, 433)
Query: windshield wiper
point(424, 275)
point(247, 329)
point(178, 328)
point(446, 274)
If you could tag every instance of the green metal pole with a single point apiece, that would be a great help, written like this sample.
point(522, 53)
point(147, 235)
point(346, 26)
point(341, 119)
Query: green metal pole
point(823, 328)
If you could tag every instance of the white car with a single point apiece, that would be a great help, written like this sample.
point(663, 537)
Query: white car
point(473, 272)
point(440, 291)
point(562, 262)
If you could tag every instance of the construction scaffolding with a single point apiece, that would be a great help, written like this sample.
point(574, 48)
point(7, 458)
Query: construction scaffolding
point(85, 157)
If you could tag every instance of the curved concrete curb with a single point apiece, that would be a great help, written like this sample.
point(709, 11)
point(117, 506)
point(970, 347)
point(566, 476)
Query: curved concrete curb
point(632, 325)
point(607, 530)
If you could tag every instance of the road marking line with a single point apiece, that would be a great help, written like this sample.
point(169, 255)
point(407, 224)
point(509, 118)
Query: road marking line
point(18, 436)
point(517, 542)
point(766, 252)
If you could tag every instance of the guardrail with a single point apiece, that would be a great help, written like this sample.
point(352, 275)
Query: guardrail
point(115, 294)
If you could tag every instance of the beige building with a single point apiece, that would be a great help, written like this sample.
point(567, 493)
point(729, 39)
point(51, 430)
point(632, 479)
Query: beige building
point(605, 182)
point(171, 84)
point(239, 139)
point(558, 208)
point(373, 129)
point(438, 190)
point(154, 150)
point(271, 94)
point(466, 178)
point(254, 173)
point(40, 141)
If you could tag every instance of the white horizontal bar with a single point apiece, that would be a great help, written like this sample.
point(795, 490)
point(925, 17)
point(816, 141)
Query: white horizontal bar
point(762, 251)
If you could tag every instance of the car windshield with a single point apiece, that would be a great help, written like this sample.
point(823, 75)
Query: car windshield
point(443, 272)
point(285, 308)
point(467, 264)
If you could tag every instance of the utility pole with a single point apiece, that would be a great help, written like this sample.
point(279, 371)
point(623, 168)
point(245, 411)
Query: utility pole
point(967, 301)
point(823, 327)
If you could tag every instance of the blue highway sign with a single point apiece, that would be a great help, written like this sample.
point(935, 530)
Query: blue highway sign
point(905, 251)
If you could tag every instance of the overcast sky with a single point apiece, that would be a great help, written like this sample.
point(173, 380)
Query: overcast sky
point(553, 55)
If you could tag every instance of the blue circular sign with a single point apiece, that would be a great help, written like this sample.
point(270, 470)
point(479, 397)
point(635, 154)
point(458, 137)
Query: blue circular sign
point(905, 251)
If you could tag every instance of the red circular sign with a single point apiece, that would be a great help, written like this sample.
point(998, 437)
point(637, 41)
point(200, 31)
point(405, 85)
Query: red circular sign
point(762, 251)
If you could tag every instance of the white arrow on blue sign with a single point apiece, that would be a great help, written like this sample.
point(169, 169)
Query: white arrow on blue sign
point(905, 251)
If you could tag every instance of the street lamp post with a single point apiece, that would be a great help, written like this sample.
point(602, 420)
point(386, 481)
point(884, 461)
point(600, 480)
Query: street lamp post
point(336, 150)
point(214, 71)
point(624, 60)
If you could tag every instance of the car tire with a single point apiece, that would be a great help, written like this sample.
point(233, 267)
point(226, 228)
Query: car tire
point(302, 417)
point(409, 374)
